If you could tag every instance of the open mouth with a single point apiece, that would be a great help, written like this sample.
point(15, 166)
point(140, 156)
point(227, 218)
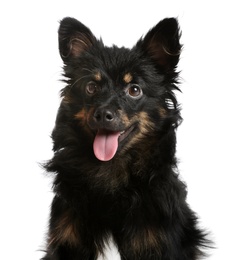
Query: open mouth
point(106, 142)
point(124, 134)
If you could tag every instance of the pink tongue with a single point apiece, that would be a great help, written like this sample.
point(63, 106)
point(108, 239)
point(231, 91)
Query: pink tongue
point(105, 145)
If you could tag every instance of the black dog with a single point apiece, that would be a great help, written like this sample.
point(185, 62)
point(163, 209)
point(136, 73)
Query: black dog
point(114, 151)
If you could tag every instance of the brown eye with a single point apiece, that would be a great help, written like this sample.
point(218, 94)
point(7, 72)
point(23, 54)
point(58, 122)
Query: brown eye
point(134, 91)
point(91, 88)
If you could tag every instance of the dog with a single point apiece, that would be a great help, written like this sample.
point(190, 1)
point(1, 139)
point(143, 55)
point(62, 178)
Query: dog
point(114, 141)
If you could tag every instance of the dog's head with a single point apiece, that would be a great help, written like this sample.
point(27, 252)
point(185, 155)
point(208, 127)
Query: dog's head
point(117, 98)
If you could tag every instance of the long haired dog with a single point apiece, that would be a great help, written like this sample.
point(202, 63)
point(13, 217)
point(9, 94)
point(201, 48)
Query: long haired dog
point(114, 161)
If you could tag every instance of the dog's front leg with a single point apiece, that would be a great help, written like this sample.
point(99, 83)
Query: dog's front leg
point(138, 242)
point(69, 236)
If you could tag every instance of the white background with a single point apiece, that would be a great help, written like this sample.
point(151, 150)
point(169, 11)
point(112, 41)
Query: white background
point(30, 72)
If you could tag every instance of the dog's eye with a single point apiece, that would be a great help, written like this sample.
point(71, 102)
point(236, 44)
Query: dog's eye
point(91, 88)
point(134, 91)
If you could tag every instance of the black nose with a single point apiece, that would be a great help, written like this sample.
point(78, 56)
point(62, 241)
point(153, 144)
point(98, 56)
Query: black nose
point(104, 115)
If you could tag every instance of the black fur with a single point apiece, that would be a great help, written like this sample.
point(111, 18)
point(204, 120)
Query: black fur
point(130, 191)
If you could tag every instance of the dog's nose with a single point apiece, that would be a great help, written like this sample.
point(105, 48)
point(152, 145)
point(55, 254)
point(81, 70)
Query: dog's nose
point(104, 115)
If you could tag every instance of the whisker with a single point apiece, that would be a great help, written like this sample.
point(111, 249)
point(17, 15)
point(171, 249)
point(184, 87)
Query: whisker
point(75, 82)
point(88, 70)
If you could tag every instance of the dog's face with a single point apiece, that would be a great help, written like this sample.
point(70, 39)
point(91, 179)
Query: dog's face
point(118, 98)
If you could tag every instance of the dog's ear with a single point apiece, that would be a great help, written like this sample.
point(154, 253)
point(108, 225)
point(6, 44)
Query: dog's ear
point(162, 44)
point(74, 38)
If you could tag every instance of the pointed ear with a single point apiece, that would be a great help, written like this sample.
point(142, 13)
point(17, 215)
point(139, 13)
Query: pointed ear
point(161, 43)
point(74, 38)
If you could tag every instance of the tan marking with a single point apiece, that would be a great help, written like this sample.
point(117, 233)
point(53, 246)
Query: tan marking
point(146, 240)
point(162, 112)
point(81, 115)
point(145, 126)
point(145, 123)
point(124, 118)
point(98, 76)
point(64, 231)
point(127, 78)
